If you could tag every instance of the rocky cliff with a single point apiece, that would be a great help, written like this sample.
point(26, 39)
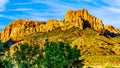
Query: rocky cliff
point(82, 19)
point(18, 29)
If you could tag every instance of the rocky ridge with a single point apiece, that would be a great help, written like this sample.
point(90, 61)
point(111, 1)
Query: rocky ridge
point(18, 29)
point(112, 29)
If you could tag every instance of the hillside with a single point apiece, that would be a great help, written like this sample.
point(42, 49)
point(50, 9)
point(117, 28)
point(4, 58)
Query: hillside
point(87, 40)
point(91, 44)
point(78, 28)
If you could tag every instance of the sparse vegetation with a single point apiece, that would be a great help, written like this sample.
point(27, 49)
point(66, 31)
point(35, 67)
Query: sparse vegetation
point(88, 41)
point(94, 49)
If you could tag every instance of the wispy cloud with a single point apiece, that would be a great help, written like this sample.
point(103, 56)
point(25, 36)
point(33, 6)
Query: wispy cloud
point(2, 4)
point(87, 0)
point(113, 9)
point(54, 4)
point(24, 16)
point(112, 3)
point(41, 10)
point(22, 3)
point(6, 16)
point(22, 9)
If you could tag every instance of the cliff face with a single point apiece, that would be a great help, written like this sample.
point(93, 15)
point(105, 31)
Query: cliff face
point(77, 18)
point(82, 19)
point(18, 29)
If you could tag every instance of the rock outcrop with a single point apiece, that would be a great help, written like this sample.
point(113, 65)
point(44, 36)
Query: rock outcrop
point(82, 19)
point(18, 29)
point(111, 31)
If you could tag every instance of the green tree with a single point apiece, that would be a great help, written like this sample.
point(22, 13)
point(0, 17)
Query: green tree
point(53, 55)
point(60, 55)
point(7, 62)
point(26, 55)
point(1, 49)
point(4, 63)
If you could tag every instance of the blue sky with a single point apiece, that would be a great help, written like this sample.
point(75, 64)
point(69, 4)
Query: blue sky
point(41, 10)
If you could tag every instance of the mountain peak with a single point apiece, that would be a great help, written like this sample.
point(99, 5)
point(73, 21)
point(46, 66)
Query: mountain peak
point(71, 14)
point(84, 19)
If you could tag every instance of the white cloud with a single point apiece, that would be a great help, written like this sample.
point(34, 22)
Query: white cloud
point(87, 0)
point(24, 16)
point(22, 3)
point(2, 4)
point(21, 9)
point(113, 9)
point(113, 2)
point(55, 4)
point(6, 16)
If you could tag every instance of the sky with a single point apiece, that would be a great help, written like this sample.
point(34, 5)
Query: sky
point(42, 10)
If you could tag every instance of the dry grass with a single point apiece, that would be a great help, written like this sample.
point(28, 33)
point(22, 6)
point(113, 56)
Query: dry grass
point(94, 60)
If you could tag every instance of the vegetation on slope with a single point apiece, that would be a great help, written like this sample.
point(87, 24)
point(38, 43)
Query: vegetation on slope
point(88, 41)
point(53, 55)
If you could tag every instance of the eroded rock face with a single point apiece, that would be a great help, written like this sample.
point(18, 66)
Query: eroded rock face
point(18, 29)
point(82, 19)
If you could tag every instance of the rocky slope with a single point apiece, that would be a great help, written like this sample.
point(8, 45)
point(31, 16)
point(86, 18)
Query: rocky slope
point(94, 48)
point(18, 29)
point(110, 30)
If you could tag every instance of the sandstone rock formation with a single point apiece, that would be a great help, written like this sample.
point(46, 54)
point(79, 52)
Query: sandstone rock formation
point(18, 29)
point(112, 29)
point(83, 20)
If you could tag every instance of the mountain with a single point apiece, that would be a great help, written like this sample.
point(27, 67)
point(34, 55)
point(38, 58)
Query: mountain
point(78, 28)
point(18, 29)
